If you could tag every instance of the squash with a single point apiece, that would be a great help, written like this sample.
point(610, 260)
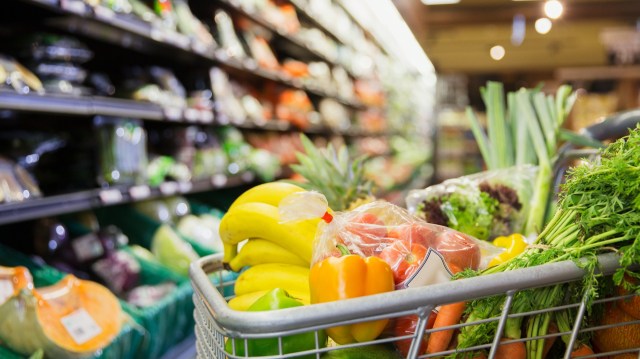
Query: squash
point(71, 319)
point(12, 280)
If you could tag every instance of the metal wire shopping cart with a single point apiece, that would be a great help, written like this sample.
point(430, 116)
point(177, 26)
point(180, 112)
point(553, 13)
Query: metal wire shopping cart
point(216, 322)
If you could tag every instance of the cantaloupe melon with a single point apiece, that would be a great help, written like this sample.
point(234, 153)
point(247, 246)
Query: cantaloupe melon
point(12, 280)
point(616, 338)
point(71, 319)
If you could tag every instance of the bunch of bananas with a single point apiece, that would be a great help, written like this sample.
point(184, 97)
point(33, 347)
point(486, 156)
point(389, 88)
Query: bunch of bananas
point(278, 254)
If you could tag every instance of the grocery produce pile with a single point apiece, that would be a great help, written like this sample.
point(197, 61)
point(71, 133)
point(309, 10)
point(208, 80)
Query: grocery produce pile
point(374, 247)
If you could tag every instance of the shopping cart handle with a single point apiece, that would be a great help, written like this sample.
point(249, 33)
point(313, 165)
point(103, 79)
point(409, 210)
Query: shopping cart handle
point(391, 304)
point(614, 126)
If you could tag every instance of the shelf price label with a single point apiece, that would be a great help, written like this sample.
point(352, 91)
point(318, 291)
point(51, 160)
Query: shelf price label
point(74, 6)
point(219, 180)
point(191, 114)
point(169, 188)
point(139, 192)
point(172, 113)
point(185, 187)
point(104, 13)
point(110, 196)
point(206, 116)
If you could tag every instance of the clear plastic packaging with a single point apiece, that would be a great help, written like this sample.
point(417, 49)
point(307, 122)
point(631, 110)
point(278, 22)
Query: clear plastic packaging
point(484, 205)
point(419, 253)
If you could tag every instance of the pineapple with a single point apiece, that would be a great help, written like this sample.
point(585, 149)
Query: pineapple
point(332, 173)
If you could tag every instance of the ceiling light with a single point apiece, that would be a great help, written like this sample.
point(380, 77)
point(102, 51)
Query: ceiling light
point(543, 25)
point(440, 2)
point(553, 9)
point(497, 52)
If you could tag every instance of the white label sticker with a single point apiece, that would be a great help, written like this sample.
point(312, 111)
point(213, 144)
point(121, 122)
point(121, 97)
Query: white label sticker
point(172, 113)
point(219, 180)
point(191, 114)
point(104, 13)
point(169, 188)
point(87, 247)
point(81, 326)
point(111, 196)
point(433, 270)
point(77, 7)
point(140, 192)
point(206, 116)
point(185, 186)
point(6, 290)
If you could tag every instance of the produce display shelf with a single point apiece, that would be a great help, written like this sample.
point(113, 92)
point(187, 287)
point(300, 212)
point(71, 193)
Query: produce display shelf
point(96, 198)
point(307, 14)
point(136, 34)
point(292, 39)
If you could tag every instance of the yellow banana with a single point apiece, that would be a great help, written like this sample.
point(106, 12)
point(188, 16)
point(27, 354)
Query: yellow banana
point(273, 275)
point(261, 220)
point(270, 193)
point(244, 301)
point(261, 251)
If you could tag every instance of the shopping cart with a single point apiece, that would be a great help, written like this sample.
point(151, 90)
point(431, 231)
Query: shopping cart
point(216, 323)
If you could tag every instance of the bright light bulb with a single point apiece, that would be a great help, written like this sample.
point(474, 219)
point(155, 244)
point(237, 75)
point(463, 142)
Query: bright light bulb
point(553, 9)
point(497, 52)
point(543, 25)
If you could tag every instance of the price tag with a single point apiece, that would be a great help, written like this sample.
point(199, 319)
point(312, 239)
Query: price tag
point(185, 186)
point(219, 180)
point(172, 113)
point(250, 64)
point(157, 34)
point(206, 116)
point(199, 47)
point(169, 188)
point(191, 114)
point(6, 290)
point(104, 13)
point(223, 119)
point(87, 247)
point(139, 192)
point(77, 7)
point(81, 326)
point(110, 196)
point(176, 39)
point(248, 176)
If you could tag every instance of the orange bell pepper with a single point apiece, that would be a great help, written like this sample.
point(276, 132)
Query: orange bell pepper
point(351, 276)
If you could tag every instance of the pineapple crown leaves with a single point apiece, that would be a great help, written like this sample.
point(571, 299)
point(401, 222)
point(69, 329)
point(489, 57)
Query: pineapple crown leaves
point(330, 172)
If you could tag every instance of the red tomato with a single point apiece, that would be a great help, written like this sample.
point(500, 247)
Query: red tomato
point(366, 231)
point(413, 233)
point(457, 249)
point(407, 326)
point(404, 258)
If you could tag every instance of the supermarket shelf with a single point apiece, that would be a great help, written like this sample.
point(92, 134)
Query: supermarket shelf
point(292, 39)
point(95, 198)
point(308, 16)
point(130, 33)
point(91, 106)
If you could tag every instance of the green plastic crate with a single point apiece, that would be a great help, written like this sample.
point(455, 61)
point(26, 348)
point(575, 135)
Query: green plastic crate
point(139, 227)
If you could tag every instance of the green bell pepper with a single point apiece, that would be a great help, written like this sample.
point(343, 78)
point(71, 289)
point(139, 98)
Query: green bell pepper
point(276, 299)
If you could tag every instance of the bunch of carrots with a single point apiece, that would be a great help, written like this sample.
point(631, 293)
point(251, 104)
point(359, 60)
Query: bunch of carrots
point(451, 314)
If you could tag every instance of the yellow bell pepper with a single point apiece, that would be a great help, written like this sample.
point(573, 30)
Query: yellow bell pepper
point(350, 276)
point(514, 244)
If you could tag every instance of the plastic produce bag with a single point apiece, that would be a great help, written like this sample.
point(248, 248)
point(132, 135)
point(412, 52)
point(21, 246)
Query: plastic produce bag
point(484, 205)
point(419, 253)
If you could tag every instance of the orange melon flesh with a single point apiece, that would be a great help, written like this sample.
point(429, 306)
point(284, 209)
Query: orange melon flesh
point(617, 338)
point(33, 319)
point(17, 278)
point(70, 295)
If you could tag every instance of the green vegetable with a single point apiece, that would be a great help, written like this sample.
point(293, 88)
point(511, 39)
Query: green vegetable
point(376, 351)
point(277, 299)
point(599, 211)
point(525, 132)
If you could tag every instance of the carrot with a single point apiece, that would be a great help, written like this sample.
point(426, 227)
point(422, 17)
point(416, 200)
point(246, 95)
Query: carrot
point(515, 350)
point(449, 314)
point(548, 343)
point(582, 350)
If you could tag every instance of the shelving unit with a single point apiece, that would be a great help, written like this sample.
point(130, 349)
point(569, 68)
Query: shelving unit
point(187, 57)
